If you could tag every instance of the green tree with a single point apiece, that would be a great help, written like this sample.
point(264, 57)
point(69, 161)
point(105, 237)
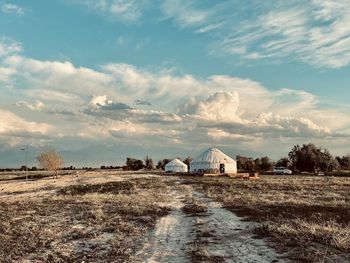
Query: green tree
point(133, 164)
point(161, 164)
point(309, 158)
point(149, 165)
point(283, 162)
point(188, 160)
point(246, 164)
point(344, 162)
point(265, 164)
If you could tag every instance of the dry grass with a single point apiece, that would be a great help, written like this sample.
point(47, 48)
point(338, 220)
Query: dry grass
point(194, 207)
point(199, 253)
point(87, 219)
point(309, 214)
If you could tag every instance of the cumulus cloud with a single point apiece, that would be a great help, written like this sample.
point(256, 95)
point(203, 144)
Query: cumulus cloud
point(101, 106)
point(289, 126)
point(93, 105)
point(220, 111)
point(58, 77)
point(98, 101)
point(220, 107)
point(102, 103)
point(219, 134)
point(11, 124)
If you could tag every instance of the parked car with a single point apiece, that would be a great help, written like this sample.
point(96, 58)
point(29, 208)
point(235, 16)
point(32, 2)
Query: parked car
point(281, 170)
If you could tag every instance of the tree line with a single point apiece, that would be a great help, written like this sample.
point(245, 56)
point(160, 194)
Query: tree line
point(148, 164)
point(305, 158)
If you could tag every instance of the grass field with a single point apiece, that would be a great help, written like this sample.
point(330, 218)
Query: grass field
point(87, 218)
point(306, 216)
point(104, 216)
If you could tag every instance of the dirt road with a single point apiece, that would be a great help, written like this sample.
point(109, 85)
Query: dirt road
point(217, 235)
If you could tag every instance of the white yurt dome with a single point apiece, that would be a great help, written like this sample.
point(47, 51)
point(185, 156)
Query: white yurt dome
point(213, 161)
point(176, 166)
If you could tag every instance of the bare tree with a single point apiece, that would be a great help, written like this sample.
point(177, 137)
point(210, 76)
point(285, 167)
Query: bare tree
point(50, 160)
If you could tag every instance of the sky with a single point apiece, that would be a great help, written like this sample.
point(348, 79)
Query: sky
point(100, 80)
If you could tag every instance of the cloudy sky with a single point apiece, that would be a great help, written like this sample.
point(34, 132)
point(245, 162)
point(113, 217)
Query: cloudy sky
point(100, 80)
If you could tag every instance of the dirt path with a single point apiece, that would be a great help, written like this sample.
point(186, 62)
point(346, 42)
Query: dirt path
point(225, 236)
point(232, 238)
point(172, 234)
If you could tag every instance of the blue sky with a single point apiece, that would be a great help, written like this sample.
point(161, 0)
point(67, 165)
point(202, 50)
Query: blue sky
point(103, 78)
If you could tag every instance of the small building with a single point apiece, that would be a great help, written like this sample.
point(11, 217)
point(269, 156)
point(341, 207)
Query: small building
point(176, 166)
point(213, 161)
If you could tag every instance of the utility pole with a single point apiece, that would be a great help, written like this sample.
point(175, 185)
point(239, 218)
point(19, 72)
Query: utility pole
point(26, 151)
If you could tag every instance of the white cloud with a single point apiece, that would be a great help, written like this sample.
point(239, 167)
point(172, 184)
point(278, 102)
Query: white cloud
point(127, 11)
point(76, 103)
point(36, 106)
point(184, 13)
point(315, 32)
point(98, 101)
point(11, 124)
point(12, 8)
point(52, 96)
point(8, 47)
point(57, 76)
point(103, 107)
point(6, 73)
point(219, 107)
point(219, 134)
point(289, 126)
point(220, 111)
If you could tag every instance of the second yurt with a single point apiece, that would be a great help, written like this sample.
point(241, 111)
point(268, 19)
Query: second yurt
point(213, 161)
point(176, 166)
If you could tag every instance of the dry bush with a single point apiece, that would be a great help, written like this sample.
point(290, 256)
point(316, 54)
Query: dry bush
point(50, 160)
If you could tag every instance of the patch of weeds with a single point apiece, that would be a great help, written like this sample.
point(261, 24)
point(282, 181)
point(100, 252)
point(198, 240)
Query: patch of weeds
point(125, 187)
point(194, 207)
point(199, 253)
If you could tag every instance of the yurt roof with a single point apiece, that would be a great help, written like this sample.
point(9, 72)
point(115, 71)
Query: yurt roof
point(176, 162)
point(213, 155)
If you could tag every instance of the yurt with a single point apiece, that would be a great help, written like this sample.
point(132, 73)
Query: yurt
point(213, 161)
point(176, 166)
